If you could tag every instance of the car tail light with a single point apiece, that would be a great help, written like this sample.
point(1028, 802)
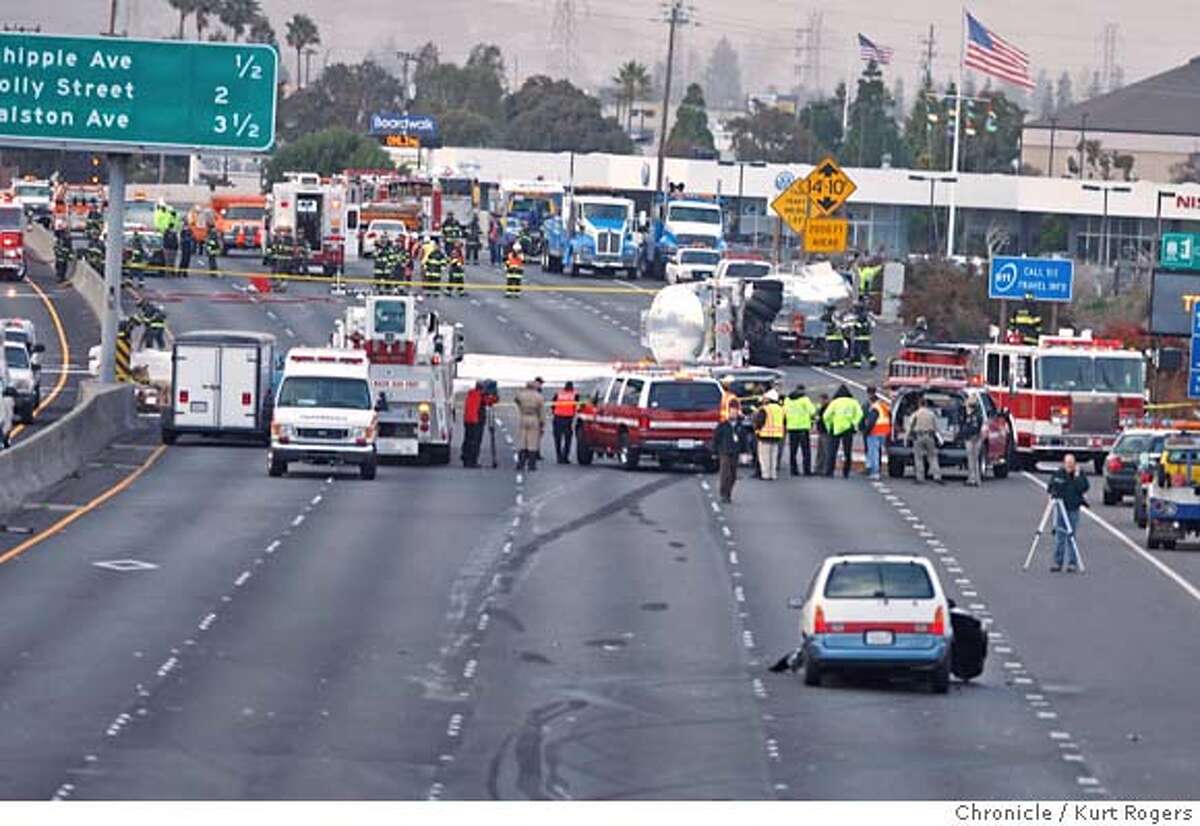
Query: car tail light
point(184, 396)
point(424, 417)
point(370, 235)
point(819, 624)
point(245, 400)
point(10, 240)
point(1114, 464)
point(939, 622)
point(644, 422)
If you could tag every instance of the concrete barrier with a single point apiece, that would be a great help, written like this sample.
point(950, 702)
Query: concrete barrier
point(85, 280)
point(52, 454)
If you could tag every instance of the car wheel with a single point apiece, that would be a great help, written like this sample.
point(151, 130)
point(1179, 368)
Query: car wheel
point(939, 680)
point(895, 467)
point(1110, 498)
point(367, 469)
point(1168, 544)
point(583, 451)
point(1098, 465)
point(275, 467)
point(812, 672)
point(168, 436)
point(628, 456)
point(1000, 469)
point(574, 269)
point(1139, 516)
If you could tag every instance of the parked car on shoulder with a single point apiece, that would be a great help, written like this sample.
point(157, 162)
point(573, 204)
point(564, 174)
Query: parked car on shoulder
point(25, 379)
point(1124, 459)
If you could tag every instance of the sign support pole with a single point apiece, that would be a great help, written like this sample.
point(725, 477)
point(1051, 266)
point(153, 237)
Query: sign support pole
point(114, 244)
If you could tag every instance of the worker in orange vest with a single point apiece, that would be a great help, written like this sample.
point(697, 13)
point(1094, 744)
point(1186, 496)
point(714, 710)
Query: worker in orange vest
point(564, 407)
point(877, 427)
point(731, 406)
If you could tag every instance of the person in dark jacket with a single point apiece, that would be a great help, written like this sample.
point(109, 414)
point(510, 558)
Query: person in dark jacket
point(187, 244)
point(824, 440)
point(728, 447)
point(1069, 485)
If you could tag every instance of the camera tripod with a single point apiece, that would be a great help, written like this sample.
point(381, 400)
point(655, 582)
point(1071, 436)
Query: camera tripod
point(1056, 507)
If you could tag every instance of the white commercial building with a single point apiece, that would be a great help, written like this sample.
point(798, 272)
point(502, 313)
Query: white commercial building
point(889, 212)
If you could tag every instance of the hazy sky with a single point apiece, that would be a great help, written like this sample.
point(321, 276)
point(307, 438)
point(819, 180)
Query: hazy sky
point(1153, 34)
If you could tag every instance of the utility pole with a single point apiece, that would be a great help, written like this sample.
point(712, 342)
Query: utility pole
point(562, 37)
point(930, 44)
point(112, 19)
point(675, 16)
point(803, 65)
point(1108, 73)
point(405, 59)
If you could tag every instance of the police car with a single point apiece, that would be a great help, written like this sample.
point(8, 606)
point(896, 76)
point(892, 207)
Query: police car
point(880, 612)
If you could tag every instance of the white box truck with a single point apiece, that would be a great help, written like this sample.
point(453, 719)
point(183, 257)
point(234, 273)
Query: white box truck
point(222, 385)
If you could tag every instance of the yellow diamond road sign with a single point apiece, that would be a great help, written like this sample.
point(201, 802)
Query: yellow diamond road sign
point(792, 205)
point(828, 187)
point(826, 235)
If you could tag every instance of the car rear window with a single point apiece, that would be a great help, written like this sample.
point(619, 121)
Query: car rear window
point(685, 396)
point(1130, 444)
point(747, 270)
point(878, 580)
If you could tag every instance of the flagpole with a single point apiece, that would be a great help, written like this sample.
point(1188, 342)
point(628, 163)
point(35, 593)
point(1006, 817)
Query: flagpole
point(958, 96)
point(846, 102)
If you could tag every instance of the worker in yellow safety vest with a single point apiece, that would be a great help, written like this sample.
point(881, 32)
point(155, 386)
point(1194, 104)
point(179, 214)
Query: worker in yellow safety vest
point(769, 428)
point(877, 427)
point(841, 418)
point(798, 413)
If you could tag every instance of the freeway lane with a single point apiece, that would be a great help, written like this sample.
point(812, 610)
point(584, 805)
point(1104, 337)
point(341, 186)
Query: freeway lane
point(586, 633)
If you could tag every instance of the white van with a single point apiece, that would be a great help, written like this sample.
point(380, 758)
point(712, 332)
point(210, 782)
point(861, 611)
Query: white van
point(222, 385)
point(25, 378)
point(324, 412)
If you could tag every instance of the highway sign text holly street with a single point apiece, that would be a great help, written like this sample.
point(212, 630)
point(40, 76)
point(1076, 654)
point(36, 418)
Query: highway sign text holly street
point(828, 187)
point(117, 94)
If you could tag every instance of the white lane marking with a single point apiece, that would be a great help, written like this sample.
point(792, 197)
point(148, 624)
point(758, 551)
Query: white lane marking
point(739, 594)
point(501, 319)
point(316, 500)
point(1059, 735)
point(298, 521)
point(1073, 758)
point(289, 332)
point(1022, 680)
point(733, 558)
point(747, 639)
point(1087, 781)
point(273, 547)
point(271, 315)
point(554, 352)
point(241, 580)
point(207, 622)
point(1047, 715)
point(1162, 567)
point(725, 530)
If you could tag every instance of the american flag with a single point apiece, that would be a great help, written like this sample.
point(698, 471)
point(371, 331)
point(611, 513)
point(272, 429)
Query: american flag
point(869, 51)
point(992, 55)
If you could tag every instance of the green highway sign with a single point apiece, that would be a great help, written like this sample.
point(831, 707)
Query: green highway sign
point(118, 94)
point(1180, 251)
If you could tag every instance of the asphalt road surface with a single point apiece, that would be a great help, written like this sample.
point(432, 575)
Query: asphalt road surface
point(570, 633)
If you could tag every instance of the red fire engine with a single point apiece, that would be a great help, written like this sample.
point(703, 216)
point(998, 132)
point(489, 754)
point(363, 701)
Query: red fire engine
point(1066, 394)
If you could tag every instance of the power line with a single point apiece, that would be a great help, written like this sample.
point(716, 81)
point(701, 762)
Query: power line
point(930, 44)
point(562, 37)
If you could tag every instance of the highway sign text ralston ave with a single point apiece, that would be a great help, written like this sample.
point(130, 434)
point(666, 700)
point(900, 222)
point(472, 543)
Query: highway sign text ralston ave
point(117, 94)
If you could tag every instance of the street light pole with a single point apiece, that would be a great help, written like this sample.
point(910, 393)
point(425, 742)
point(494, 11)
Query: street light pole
point(1104, 230)
point(1158, 227)
point(933, 180)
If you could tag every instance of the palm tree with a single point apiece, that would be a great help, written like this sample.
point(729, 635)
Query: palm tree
point(203, 9)
point(633, 81)
point(238, 14)
point(260, 31)
point(301, 33)
point(185, 9)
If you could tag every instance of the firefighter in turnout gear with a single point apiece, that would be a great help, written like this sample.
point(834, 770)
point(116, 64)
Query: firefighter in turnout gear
point(384, 263)
point(1026, 324)
point(835, 343)
point(137, 259)
point(452, 231)
point(94, 226)
point(435, 267)
point(514, 271)
point(456, 284)
point(212, 247)
point(864, 324)
point(153, 320)
point(64, 252)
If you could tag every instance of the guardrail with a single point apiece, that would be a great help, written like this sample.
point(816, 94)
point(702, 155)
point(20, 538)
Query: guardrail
point(53, 453)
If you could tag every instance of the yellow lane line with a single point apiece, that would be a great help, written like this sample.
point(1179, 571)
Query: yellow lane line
point(64, 350)
point(61, 524)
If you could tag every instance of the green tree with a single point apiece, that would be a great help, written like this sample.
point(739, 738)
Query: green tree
point(342, 96)
point(633, 82)
point(327, 152)
point(723, 76)
point(261, 31)
point(822, 119)
point(872, 132)
point(428, 59)
point(238, 15)
point(690, 136)
point(487, 58)
point(923, 131)
point(772, 135)
point(202, 10)
point(991, 134)
point(554, 116)
point(185, 8)
point(302, 32)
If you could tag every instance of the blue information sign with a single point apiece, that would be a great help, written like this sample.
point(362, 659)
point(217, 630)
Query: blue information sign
point(1045, 279)
point(424, 127)
point(1194, 364)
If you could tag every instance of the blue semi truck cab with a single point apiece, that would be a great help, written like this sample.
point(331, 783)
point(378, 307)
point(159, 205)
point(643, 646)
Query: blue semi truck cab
point(594, 232)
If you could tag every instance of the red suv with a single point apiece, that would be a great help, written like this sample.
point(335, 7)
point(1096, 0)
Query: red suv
point(670, 416)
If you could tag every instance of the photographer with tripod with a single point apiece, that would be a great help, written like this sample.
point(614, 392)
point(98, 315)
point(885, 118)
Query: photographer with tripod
point(1067, 485)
